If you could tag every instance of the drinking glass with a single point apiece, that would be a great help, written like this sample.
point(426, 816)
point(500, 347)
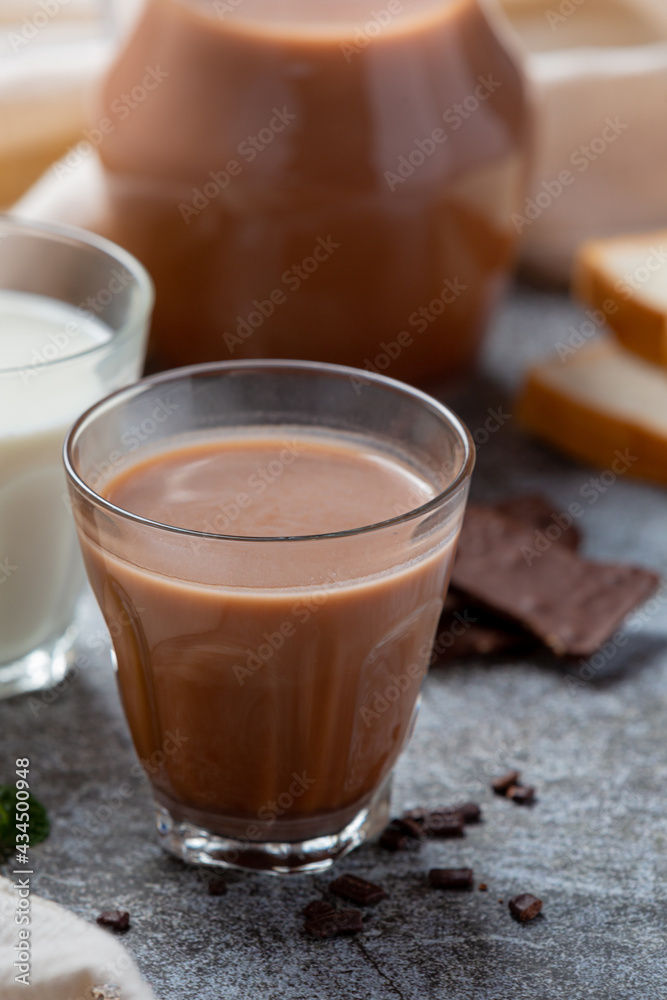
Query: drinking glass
point(74, 314)
point(270, 683)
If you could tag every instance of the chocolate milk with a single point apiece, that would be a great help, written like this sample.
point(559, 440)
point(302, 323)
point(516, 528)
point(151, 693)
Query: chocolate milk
point(332, 182)
point(272, 712)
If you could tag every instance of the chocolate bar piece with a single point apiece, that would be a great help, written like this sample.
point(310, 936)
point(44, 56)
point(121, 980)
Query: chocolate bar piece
point(357, 890)
point(330, 922)
point(444, 824)
point(504, 782)
point(570, 603)
point(468, 630)
point(525, 907)
point(533, 511)
point(450, 878)
point(523, 795)
point(115, 920)
point(394, 837)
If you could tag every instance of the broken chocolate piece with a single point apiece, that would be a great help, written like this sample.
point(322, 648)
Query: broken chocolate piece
point(318, 908)
point(450, 878)
point(334, 922)
point(217, 887)
point(115, 920)
point(444, 824)
point(570, 603)
point(409, 826)
point(525, 907)
point(506, 781)
point(393, 838)
point(357, 890)
point(532, 510)
point(470, 811)
point(523, 795)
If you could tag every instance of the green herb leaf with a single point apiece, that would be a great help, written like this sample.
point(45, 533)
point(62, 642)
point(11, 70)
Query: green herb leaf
point(38, 821)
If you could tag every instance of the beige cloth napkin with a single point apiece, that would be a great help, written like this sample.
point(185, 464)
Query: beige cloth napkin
point(68, 957)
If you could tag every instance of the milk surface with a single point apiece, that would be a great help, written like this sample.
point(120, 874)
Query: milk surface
point(48, 362)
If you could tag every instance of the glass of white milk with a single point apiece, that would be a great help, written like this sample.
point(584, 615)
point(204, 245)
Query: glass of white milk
point(74, 316)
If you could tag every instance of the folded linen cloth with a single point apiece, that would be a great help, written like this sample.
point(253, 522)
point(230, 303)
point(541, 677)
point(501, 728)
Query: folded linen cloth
point(66, 958)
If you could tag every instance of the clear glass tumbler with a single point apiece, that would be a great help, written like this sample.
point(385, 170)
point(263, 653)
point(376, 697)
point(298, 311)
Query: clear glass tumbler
point(74, 313)
point(269, 682)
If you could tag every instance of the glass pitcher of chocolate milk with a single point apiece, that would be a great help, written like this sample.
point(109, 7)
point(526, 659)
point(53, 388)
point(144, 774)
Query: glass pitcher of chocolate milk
point(329, 181)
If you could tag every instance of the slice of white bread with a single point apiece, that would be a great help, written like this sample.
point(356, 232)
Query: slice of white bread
point(602, 405)
point(625, 280)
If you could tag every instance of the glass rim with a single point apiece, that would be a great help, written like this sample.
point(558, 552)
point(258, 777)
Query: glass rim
point(66, 234)
point(453, 422)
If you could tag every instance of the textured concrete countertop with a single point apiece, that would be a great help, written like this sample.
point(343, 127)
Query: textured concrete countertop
point(594, 847)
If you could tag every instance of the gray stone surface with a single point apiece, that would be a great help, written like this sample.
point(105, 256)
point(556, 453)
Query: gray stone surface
point(594, 847)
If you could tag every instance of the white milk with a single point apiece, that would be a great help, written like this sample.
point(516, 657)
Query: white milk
point(56, 374)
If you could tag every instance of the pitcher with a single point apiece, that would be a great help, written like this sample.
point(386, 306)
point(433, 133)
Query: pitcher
point(329, 181)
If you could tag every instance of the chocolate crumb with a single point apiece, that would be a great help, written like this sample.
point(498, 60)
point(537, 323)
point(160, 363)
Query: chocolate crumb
point(450, 878)
point(357, 890)
point(523, 795)
point(217, 887)
point(482, 887)
point(525, 907)
point(502, 784)
point(115, 920)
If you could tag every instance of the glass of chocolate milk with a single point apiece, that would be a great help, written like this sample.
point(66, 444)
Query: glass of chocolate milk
point(270, 543)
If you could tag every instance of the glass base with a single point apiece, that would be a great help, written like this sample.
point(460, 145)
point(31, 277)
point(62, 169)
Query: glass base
point(40, 669)
point(200, 847)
